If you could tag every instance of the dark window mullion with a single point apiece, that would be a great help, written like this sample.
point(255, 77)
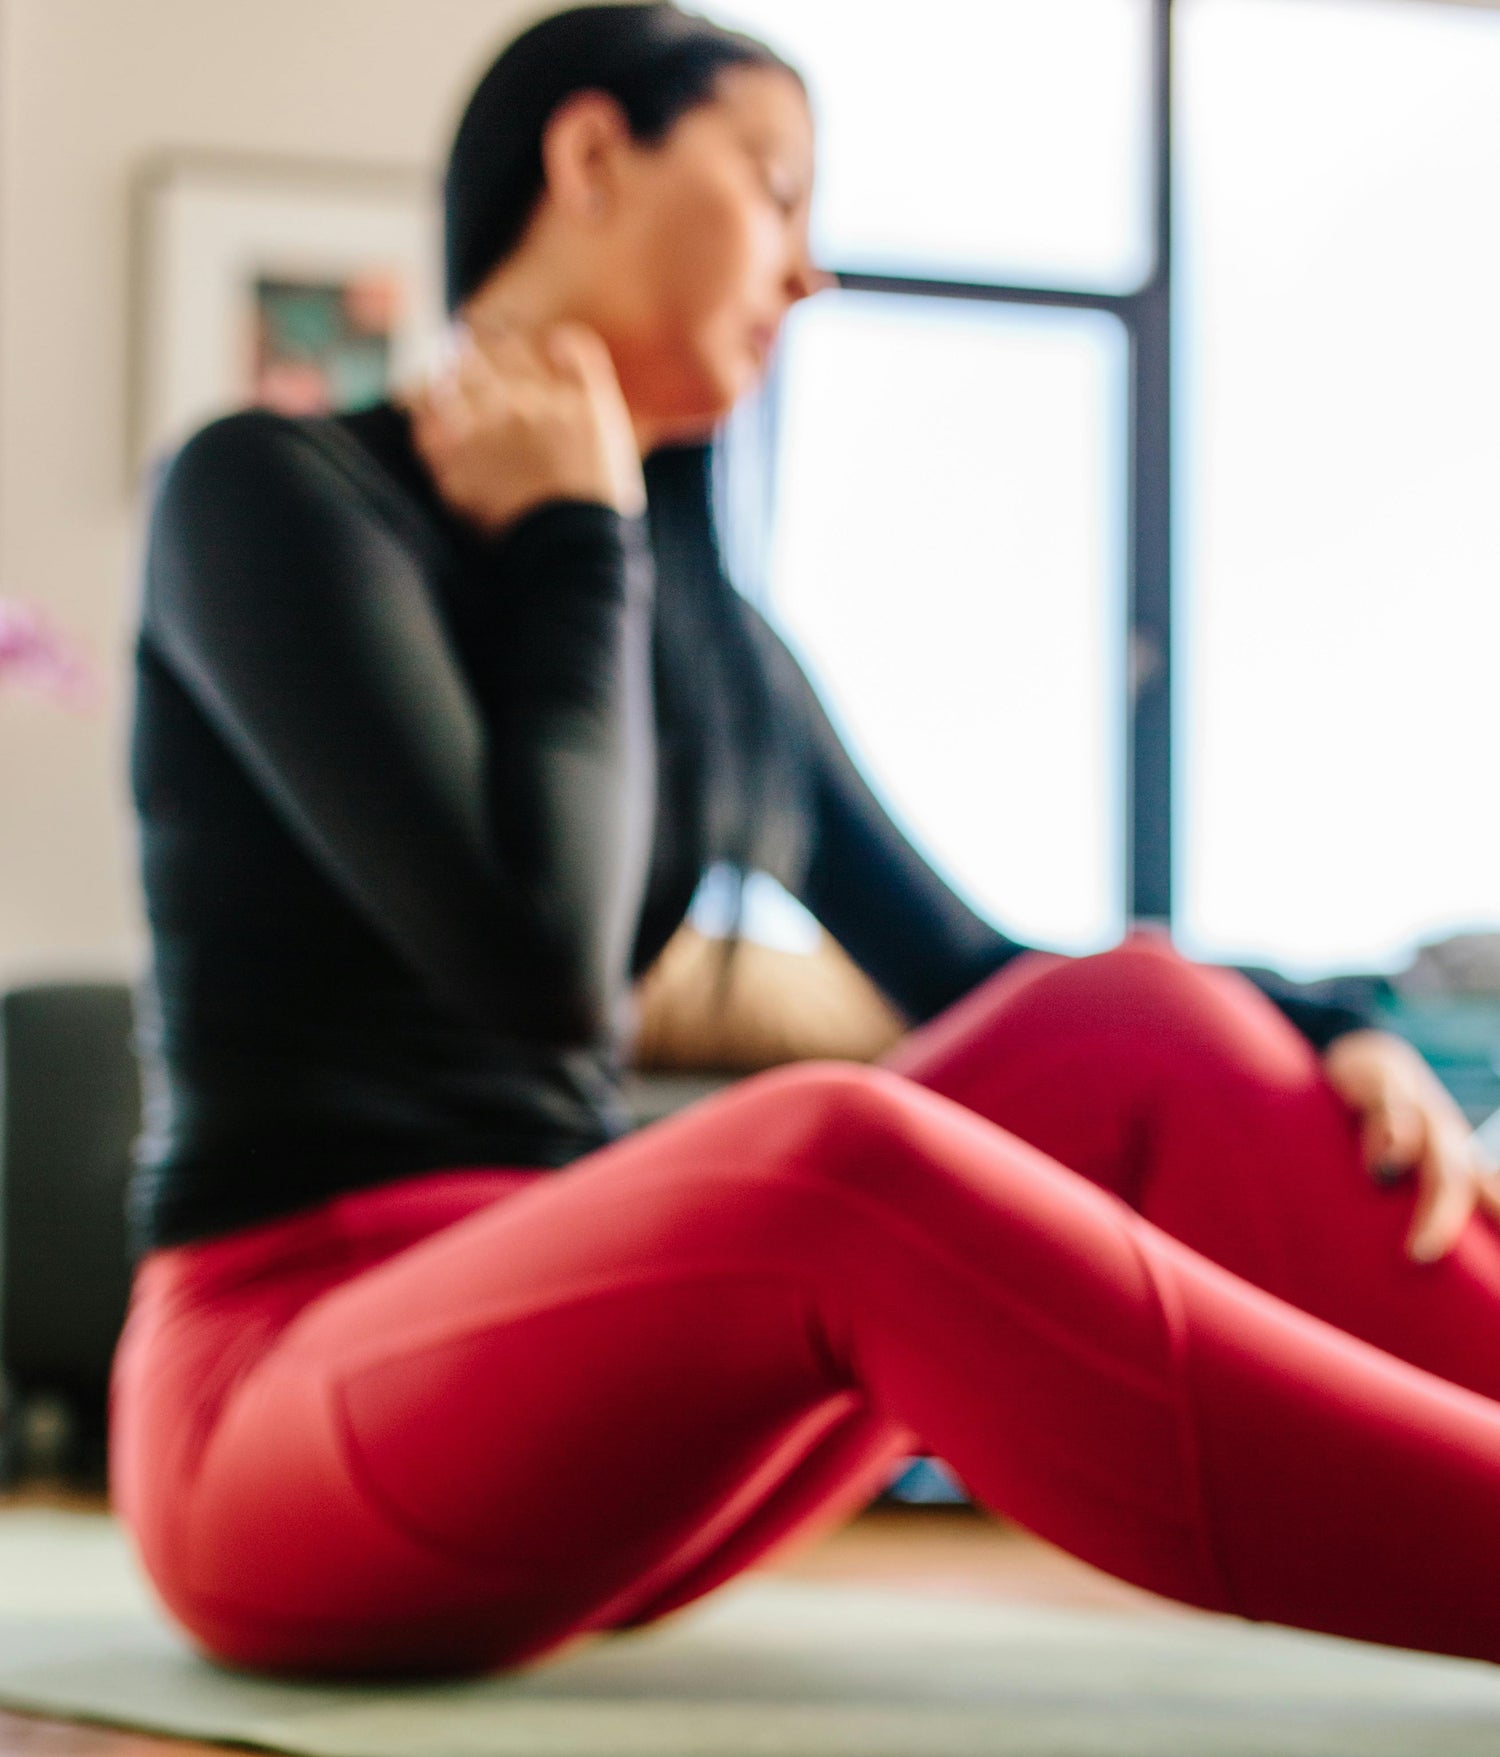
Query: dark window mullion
point(1147, 649)
point(1121, 305)
point(1148, 696)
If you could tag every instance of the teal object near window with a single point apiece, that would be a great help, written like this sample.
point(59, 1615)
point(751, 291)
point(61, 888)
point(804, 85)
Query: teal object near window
point(1460, 1037)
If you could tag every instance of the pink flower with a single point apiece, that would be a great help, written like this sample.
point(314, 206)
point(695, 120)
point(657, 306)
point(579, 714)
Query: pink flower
point(35, 654)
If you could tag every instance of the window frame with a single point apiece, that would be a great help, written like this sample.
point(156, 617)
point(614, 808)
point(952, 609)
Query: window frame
point(1145, 313)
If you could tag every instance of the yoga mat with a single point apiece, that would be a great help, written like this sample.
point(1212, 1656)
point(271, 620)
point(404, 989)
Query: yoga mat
point(766, 1668)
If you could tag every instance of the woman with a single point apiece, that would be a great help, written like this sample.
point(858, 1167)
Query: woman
point(442, 710)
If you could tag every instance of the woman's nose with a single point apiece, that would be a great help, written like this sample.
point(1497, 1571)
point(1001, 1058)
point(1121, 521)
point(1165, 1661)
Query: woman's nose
point(806, 278)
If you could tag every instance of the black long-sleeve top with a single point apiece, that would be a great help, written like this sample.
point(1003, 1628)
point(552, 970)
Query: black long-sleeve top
point(412, 819)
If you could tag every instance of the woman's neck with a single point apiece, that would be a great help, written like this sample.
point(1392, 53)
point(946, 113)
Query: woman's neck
point(522, 296)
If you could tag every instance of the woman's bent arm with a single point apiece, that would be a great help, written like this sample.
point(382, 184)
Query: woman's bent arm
point(504, 861)
point(903, 923)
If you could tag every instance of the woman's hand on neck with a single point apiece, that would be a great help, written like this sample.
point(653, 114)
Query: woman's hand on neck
point(528, 408)
point(521, 296)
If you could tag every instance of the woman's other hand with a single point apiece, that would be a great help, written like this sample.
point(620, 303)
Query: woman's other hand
point(517, 420)
point(1409, 1125)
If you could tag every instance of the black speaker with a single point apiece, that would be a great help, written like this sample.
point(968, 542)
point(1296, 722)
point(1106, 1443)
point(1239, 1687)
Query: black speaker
point(69, 1111)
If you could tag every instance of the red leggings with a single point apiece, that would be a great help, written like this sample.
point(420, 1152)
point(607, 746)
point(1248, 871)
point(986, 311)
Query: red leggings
point(444, 1424)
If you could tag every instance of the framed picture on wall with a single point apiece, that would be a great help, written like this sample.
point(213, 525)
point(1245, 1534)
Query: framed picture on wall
point(289, 284)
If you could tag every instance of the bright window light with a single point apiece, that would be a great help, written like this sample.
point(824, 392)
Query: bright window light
point(1339, 484)
point(947, 560)
point(976, 139)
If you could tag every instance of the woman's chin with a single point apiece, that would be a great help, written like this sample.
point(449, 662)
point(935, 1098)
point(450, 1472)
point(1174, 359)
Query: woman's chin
point(684, 429)
point(686, 405)
point(693, 418)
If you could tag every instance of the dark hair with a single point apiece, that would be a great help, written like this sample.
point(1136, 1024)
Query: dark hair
point(655, 60)
point(737, 780)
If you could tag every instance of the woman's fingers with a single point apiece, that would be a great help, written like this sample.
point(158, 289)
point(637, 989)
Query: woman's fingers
point(516, 419)
point(1411, 1124)
point(480, 384)
point(578, 352)
point(488, 382)
point(1487, 1184)
point(581, 359)
point(506, 350)
point(565, 353)
point(451, 398)
point(1392, 1136)
point(494, 360)
point(484, 378)
point(1448, 1188)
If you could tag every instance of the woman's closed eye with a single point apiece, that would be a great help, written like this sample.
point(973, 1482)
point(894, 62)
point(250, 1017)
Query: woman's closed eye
point(784, 187)
point(785, 197)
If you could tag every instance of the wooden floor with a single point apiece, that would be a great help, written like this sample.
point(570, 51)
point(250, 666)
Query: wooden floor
point(951, 1550)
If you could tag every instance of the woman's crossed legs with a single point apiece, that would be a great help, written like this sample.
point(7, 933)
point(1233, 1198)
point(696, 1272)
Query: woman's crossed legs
point(601, 1395)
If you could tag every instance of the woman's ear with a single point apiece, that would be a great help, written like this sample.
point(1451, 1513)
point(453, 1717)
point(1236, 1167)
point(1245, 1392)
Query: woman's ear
point(583, 146)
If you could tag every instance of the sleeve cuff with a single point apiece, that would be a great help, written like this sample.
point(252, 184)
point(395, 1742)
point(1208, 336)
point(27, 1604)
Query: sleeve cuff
point(584, 541)
point(1322, 1011)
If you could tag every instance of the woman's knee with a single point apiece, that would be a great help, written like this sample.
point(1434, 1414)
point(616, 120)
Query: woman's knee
point(830, 1101)
point(1146, 991)
point(1144, 964)
point(839, 1123)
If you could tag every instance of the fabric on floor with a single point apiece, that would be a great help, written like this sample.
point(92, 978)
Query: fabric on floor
point(768, 1668)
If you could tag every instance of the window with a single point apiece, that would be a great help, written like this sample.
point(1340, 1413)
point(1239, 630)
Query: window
point(1332, 509)
point(966, 621)
point(989, 140)
point(1338, 486)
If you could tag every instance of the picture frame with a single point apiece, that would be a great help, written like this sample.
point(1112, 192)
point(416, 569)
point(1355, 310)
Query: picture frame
point(302, 285)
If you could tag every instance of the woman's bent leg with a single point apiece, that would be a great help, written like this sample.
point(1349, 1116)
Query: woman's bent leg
point(1183, 1090)
point(535, 1422)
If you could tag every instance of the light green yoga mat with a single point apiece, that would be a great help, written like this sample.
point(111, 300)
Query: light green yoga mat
point(767, 1668)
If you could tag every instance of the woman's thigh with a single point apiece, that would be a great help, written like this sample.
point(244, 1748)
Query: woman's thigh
point(574, 1409)
point(1183, 1090)
point(540, 1420)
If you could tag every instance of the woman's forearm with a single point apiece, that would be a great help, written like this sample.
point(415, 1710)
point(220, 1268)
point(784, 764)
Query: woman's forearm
point(571, 774)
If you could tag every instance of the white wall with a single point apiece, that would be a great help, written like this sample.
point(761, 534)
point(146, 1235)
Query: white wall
point(88, 88)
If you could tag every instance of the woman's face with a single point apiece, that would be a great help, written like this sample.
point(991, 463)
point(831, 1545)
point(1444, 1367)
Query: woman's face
point(708, 250)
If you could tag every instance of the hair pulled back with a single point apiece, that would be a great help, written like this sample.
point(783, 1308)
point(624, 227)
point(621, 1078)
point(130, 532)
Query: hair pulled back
point(655, 60)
